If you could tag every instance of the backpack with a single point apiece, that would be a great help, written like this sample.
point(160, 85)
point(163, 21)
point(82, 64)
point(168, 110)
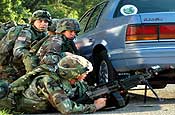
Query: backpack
point(4, 27)
point(7, 44)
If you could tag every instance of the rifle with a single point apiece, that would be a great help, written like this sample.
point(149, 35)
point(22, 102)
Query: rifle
point(112, 89)
point(36, 47)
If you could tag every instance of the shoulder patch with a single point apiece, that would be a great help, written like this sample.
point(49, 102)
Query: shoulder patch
point(22, 38)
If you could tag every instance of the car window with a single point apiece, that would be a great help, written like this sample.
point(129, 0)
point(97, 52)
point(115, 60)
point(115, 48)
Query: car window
point(145, 6)
point(83, 21)
point(94, 17)
point(90, 19)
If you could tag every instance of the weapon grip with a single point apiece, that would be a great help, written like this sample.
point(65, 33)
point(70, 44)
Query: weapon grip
point(84, 99)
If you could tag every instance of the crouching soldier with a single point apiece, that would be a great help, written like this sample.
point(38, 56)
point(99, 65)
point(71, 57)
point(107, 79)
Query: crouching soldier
point(58, 90)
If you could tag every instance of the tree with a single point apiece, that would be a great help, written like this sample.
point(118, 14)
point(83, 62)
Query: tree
point(66, 8)
point(20, 10)
point(12, 10)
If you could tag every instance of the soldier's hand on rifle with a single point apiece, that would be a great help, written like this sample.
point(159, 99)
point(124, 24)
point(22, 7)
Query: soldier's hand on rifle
point(100, 103)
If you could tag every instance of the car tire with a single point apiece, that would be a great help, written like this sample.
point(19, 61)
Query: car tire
point(103, 68)
point(106, 73)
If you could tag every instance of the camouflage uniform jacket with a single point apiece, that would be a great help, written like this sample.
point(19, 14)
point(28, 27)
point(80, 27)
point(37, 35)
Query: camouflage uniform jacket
point(52, 50)
point(52, 90)
point(26, 39)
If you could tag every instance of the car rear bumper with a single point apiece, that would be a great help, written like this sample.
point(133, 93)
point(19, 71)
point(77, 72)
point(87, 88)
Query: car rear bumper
point(136, 59)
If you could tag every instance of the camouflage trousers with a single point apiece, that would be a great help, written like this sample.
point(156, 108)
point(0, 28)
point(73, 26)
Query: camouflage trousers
point(20, 104)
point(8, 73)
point(7, 103)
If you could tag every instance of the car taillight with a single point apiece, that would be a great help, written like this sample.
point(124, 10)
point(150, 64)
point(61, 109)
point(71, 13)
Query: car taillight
point(141, 32)
point(167, 32)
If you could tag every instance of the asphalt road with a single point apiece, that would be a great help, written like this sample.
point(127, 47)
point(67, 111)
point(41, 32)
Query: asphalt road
point(152, 106)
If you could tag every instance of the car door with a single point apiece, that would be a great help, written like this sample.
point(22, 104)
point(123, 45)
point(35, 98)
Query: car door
point(88, 23)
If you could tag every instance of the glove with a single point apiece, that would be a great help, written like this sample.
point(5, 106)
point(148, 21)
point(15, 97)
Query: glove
point(30, 62)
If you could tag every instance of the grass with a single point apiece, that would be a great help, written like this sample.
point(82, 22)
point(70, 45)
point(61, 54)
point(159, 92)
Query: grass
point(5, 112)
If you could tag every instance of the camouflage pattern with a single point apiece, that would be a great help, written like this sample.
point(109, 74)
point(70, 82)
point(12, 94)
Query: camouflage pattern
point(46, 90)
point(8, 25)
point(24, 81)
point(53, 26)
point(68, 24)
point(4, 27)
point(41, 14)
point(4, 90)
point(3, 32)
point(7, 71)
point(49, 90)
point(7, 44)
point(23, 58)
point(72, 66)
point(52, 50)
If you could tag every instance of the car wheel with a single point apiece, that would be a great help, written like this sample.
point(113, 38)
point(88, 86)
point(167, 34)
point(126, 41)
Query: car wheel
point(106, 73)
point(104, 69)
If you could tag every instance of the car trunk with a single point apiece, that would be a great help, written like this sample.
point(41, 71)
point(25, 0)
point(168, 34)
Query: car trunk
point(150, 43)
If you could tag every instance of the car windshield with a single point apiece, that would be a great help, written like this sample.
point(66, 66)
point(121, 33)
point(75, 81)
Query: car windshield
point(127, 7)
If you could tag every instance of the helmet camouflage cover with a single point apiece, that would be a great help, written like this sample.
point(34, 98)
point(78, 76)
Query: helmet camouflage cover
point(53, 26)
point(41, 14)
point(73, 65)
point(68, 24)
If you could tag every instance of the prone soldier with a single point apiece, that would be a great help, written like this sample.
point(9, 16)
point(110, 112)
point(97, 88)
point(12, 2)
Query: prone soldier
point(58, 91)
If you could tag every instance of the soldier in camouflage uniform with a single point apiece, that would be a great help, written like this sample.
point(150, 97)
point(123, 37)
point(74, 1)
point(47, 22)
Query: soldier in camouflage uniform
point(50, 92)
point(53, 52)
point(23, 58)
point(6, 71)
point(66, 31)
point(53, 49)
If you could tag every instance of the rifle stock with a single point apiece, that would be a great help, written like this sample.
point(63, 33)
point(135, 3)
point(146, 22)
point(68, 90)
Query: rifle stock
point(36, 47)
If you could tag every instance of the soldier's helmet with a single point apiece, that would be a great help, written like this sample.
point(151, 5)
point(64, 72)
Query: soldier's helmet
point(72, 66)
point(68, 24)
point(4, 89)
point(41, 14)
point(53, 26)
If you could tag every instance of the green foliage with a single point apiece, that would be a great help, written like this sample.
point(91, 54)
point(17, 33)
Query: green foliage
point(13, 10)
point(69, 8)
point(21, 10)
point(80, 6)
